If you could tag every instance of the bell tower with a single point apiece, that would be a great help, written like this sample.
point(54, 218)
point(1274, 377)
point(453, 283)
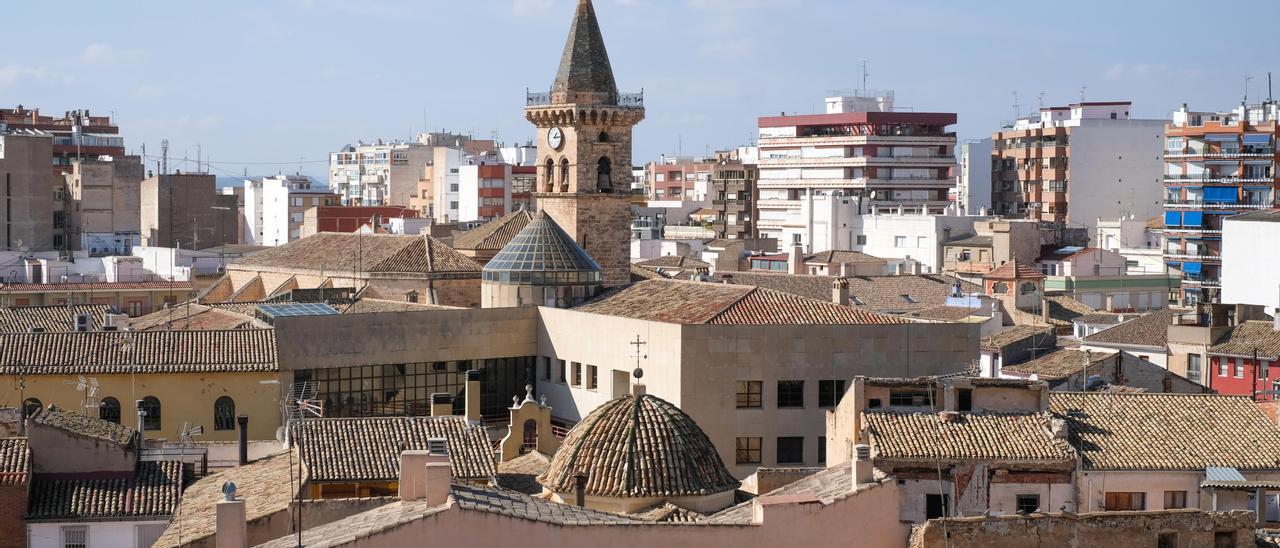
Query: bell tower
point(584, 148)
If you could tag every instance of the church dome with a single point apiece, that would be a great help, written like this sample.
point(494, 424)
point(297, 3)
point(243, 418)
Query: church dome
point(639, 446)
point(542, 254)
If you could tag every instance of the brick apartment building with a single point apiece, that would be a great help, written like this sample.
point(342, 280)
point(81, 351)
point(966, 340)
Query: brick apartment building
point(97, 135)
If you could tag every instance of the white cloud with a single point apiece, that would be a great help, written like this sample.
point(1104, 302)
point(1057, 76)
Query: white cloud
point(11, 75)
point(100, 54)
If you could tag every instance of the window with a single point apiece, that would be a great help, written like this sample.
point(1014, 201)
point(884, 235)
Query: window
point(135, 308)
point(1124, 501)
point(1027, 504)
point(546, 368)
point(1239, 362)
point(901, 398)
point(562, 371)
point(1193, 367)
point(899, 241)
point(790, 394)
point(109, 410)
point(822, 450)
point(592, 377)
point(224, 414)
point(936, 506)
point(862, 239)
point(790, 450)
point(76, 536)
point(1167, 540)
point(151, 409)
point(1264, 369)
point(748, 451)
point(1224, 539)
point(965, 397)
point(31, 406)
point(577, 374)
point(1222, 367)
point(749, 394)
point(147, 535)
point(1175, 499)
point(829, 392)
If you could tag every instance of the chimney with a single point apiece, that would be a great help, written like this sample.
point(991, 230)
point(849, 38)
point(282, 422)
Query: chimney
point(949, 398)
point(243, 421)
point(441, 404)
point(426, 475)
point(230, 528)
point(840, 291)
point(580, 489)
point(473, 396)
point(1044, 310)
point(863, 471)
point(796, 261)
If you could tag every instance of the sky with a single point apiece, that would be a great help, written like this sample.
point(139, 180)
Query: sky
point(273, 86)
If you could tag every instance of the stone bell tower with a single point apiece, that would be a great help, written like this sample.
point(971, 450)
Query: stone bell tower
point(584, 149)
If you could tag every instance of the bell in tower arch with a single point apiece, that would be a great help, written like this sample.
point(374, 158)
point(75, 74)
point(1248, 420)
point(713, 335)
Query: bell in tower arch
point(604, 176)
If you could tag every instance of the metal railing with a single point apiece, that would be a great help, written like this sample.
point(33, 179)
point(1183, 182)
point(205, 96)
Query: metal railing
point(543, 99)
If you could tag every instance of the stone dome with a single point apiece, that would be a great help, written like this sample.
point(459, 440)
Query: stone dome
point(639, 446)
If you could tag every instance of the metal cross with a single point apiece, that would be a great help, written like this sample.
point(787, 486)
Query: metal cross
point(638, 344)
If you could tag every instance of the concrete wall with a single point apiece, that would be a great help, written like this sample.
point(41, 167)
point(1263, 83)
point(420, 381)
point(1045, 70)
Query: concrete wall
point(106, 196)
point(101, 533)
point(1116, 170)
point(1249, 277)
point(26, 220)
point(56, 451)
point(924, 235)
point(1189, 528)
point(179, 211)
point(1093, 486)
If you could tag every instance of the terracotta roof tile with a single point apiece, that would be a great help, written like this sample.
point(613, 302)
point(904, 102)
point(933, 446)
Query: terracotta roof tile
point(267, 486)
point(368, 449)
point(640, 273)
point(1014, 270)
point(674, 261)
point(639, 447)
point(1058, 364)
point(243, 350)
point(50, 318)
point(151, 491)
point(1120, 431)
point(521, 473)
point(495, 234)
point(1151, 330)
point(372, 306)
point(1242, 340)
point(1014, 335)
point(15, 461)
point(692, 303)
point(1063, 310)
point(364, 253)
point(842, 257)
point(946, 313)
point(194, 317)
point(55, 417)
point(884, 294)
point(967, 437)
point(98, 286)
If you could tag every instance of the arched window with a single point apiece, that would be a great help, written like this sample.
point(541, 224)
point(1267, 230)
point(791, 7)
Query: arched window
point(1000, 288)
point(224, 414)
point(151, 406)
point(604, 136)
point(530, 436)
point(1028, 288)
point(549, 179)
point(109, 409)
point(564, 172)
point(31, 406)
point(604, 175)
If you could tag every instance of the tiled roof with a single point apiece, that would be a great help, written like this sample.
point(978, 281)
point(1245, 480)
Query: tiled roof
point(692, 303)
point(842, 257)
point(266, 486)
point(521, 473)
point(1014, 335)
point(1099, 318)
point(674, 261)
point(885, 294)
point(97, 286)
point(368, 449)
point(102, 352)
point(1243, 339)
point(495, 234)
point(1014, 270)
point(965, 437)
point(193, 316)
point(1063, 310)
point(670, 513)
point(55, 417)
point(375, 253)
point(520, 505)
point(50, 318)
point(1058, 364)
point(640, 273)
point(946, 313)
point(15, 461)
point(970, 241)
point(1151, 330)
point(372, 306)
point(152, 491)
point(1118, 431)
point(639, 447)
point(829, 484)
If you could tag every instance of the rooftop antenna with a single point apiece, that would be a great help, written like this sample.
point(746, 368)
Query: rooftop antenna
point(187, 431)
point(1040, 100)
point(1017, 107)
point(1247, 79)
point(164, 156)
point(862, 69)
point(1083, 89)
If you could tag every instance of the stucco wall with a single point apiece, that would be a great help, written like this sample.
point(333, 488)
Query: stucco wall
point(58, 451)
point(1190, 528)
point(101, 533)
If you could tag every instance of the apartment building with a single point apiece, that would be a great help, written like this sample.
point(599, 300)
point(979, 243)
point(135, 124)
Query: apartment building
point(101, 205)
point(274, 208)
point(489, 191)
point(27, 217)
point(389, 172)
point(733, 191)
point(77, 134)
point(817, 171)
point(185, 210)
point(679, 178)
point(1217, 164)
point(973, 188)
point(1074, 164)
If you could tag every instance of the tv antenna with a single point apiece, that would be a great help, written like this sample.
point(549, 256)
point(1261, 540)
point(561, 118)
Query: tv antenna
point(88, 387)
point(299, 401)
point(187, 431)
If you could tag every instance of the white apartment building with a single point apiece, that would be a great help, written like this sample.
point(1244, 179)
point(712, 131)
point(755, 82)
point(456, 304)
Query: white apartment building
point(819, 171)
point(903, 238)
point(973, 188)
point(274, 208)
point(1250, 270)
point(379, 173)
point(1075, 164)
point(1139, 241)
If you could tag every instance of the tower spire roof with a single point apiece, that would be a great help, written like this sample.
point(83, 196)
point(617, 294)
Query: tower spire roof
point(585, 75)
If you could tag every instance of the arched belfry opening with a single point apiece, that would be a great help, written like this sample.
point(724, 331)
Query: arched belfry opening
point(604, 175)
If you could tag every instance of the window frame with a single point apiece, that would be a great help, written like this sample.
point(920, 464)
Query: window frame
point(1026, 503)
point(83, 530)
point(222, 421)
point(1174, 500)
point(747, 452)
point(750, 399)
point(793, 455)
point(153, 421)
point(830, 391)
point(791, 397)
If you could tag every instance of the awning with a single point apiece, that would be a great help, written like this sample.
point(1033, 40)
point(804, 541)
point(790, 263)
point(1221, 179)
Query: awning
point(1256, 139)
point(1220, 194)
point(1191, 268)
point(1193, 218)
point(1172, 218)
point(1220, 137)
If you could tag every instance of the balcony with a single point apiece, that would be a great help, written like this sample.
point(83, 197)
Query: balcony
point(857, 161)
point(1221, 179)
point(543, 99)
point(855, 140)
point(1199, 204)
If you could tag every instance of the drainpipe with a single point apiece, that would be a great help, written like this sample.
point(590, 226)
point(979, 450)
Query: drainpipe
point(243, 421)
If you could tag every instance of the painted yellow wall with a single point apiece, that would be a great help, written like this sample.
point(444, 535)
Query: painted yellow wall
point(183, 397)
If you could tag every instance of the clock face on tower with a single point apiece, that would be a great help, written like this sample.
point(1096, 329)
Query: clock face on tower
point(555, 138)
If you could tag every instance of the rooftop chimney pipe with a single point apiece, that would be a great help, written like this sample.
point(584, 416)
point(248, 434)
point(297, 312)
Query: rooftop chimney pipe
point(243, 421)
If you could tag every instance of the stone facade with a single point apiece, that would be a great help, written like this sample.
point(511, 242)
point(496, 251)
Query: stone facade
point(600, 223)
point(1181, 527)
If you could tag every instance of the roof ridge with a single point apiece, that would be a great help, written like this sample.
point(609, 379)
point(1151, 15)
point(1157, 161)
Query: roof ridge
point(725, 310)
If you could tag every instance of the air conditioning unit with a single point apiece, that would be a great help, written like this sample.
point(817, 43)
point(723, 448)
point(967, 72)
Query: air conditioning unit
point(84, 322)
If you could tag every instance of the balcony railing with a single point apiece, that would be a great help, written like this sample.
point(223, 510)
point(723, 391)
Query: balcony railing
point(543, 99)
point(1215, 178)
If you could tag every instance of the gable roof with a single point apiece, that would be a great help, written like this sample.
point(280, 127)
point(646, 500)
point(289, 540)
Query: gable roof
point(964, 437)
point(267, 486)
point(1063, 310)
point(50, 318)
point(843, 256)
point(885, 294)
point(151, 491)
point(1014, 335)
point(1148, 431)
point(495, 234)
point(1058, 364)
point(827, 485)
point(1243, 339)
point(695, 303)
point(92, 427)
point(371, 253)
point(15, 461)
point(108, 352)
point(191, 316)
point(674, 261)
point(1151, 330)
point(368, 449)
point(1014, 270)
point(946, 313)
